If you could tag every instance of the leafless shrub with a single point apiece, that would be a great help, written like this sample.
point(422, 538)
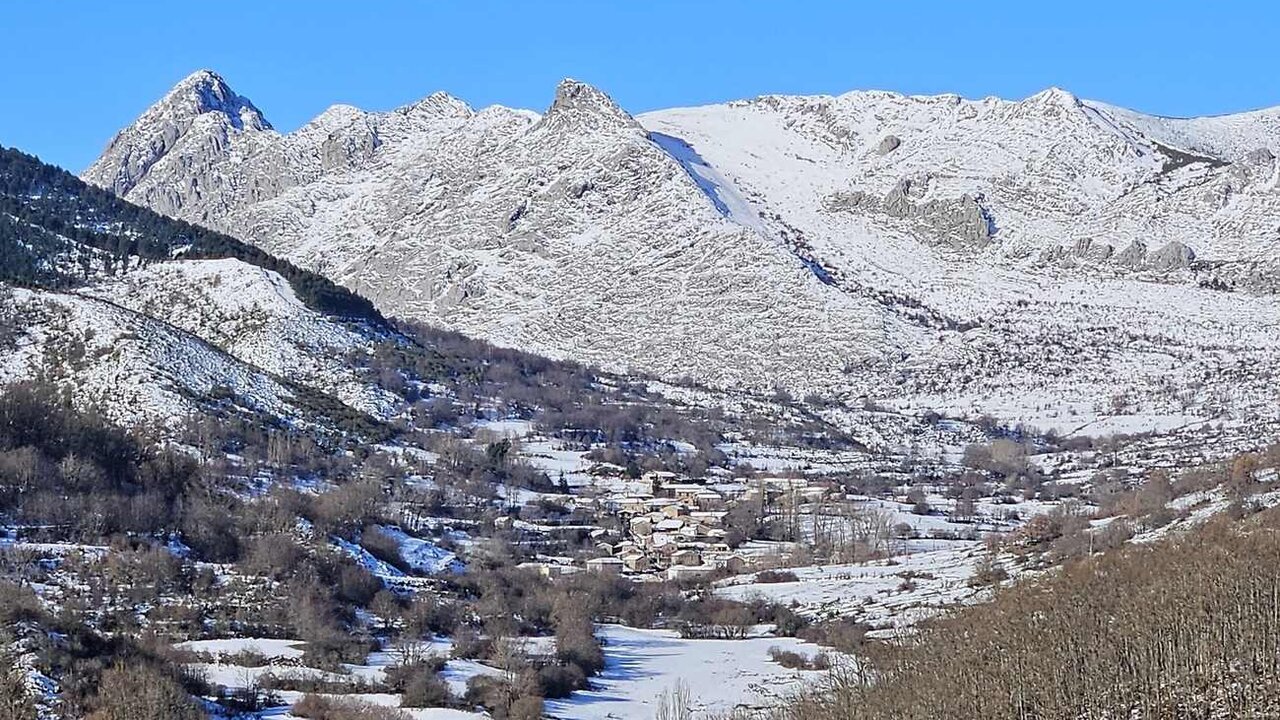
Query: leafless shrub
point(798, 661)
point(776, 576)
point(320, 707)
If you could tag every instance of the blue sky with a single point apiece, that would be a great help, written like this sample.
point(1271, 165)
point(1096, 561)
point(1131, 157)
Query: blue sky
point(72, 72)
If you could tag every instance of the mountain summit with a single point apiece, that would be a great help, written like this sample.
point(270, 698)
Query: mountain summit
point(204, 91)
point(200, 112)
point(588, 107)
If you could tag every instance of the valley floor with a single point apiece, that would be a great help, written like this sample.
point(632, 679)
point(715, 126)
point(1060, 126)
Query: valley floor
point(642, 666)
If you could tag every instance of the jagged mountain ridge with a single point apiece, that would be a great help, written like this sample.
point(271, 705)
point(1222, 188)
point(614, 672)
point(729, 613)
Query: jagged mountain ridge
point(568, 234)
point(1038, 259)
point(199, 106)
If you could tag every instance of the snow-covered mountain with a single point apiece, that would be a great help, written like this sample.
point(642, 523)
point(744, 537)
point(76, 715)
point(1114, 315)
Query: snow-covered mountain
point(569, 234)
point(1052, 260)
point(1048, 182)
point(1106, 263)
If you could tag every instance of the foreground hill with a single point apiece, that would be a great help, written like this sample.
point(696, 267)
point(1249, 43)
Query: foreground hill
point(153, 320)
point(1182, 628)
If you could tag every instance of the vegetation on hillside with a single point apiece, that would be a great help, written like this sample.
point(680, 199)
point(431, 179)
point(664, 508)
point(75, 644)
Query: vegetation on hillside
point(1185, 628)
point(280, 513)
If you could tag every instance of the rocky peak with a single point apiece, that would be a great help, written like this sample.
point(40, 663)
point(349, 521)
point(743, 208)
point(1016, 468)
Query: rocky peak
point(1053, 102)
point(439, 104)
point(337, 116)
point(584, 106)
point(204, 91)
point(1053, 96)
point(203, 98)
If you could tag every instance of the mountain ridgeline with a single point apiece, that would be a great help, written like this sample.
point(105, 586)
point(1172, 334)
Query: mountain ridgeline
point(56, 231)
point(922, 252)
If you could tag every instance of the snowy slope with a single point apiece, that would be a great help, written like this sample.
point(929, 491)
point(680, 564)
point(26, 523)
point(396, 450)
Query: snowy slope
point(1062, 182)
point(254, 315)
point(135, 369)
point(719, 675)
point(1229, 137)
point(115, 313)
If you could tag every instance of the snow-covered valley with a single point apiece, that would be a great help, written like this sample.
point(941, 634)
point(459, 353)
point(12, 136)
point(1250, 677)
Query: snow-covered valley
point(585, 415)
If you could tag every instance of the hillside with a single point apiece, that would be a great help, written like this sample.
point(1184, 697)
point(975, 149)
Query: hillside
point(153, 320)
point(1181, 628)
point(59, 231)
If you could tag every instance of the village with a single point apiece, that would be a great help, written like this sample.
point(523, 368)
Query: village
point(672, 529)
point(666, 526)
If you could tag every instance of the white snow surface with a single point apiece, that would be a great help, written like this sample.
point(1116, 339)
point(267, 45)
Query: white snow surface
point(875, 592)
point(1063, 321)
point(422, 555)
point(284, 662)
point(641, 665)
point(269, 647)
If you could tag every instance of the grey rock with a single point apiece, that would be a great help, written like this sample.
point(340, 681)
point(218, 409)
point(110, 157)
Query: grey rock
point(1133, 255)
point(203, 97)
point(1261, 156)
point(1173, 256)
point(342, 150)
point(961, 223)
point(1089, 250)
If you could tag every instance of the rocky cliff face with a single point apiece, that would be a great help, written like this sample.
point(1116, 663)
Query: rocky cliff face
point(1039, 259)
